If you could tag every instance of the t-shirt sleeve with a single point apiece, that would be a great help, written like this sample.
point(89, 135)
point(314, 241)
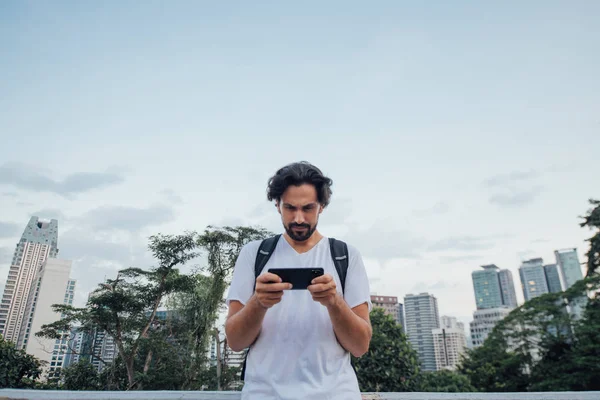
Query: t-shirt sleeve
point(357, 290)
point(242, 283)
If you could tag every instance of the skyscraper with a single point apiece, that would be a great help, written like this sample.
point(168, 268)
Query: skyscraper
point(552, 278)
point(51, 286)
point(507, 285)
point(493, 288)
point(422, 317)
point(38, 243)
point(449, 342)
point(533, 278)
point(569, 266)
point(401, 319)
point(570, 272)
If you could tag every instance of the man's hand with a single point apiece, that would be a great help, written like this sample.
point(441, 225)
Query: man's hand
point(324, 290)
point(269, 290)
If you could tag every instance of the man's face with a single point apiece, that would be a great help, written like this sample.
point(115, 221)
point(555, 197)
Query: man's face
point(299, 208)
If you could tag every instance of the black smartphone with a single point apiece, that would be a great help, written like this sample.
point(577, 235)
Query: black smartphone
point(300, 278)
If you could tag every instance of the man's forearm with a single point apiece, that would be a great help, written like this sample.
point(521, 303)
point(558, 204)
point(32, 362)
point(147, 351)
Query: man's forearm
point(352, 331)
point(243, 327)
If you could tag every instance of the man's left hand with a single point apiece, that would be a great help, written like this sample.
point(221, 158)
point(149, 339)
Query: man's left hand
point(324, 290)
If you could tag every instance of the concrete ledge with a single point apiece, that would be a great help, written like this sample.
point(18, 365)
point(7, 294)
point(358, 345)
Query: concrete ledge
point(16, 394)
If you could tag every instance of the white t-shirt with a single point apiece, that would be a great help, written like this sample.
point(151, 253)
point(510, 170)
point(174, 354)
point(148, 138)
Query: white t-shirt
point(296, 355)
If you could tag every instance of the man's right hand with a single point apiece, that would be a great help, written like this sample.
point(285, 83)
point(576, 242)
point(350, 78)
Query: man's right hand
point(269, 290)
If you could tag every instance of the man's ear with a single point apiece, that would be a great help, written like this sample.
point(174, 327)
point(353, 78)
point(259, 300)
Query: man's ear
point(277, 203)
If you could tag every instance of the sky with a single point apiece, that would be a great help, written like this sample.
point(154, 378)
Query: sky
point(457, 134)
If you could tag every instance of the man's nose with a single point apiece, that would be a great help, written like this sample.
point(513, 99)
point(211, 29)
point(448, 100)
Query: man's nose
point(299, 217)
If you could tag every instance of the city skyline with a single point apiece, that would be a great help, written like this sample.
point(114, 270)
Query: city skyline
point(550, 273)
point(456, 137)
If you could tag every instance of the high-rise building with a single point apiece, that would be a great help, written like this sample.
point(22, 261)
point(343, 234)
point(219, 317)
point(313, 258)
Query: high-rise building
point(422, 317)
point(51, 286)
point(533, 278)
point(493, 288)
point(401, 319)
point(507, 285)
point(484, 322)
point(552, 278)
point(570, 272)
point(569, 266)
point(388, 303)
point(74, 347)
point(486, 285)
point(38, 243)
point(449, 342)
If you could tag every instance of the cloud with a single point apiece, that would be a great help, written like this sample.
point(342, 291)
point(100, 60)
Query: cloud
point(460, 259)
point(439, 208)
point(538, 241)
point(516, 198)
point(171, 196)
point(131, 219)
point(384, 242)
point(464, 243)
point(10, 194)
point(511, 178)
point(8, 229)
point(420, 287)
point(51, 213)
point(30, 178)
point(5, 255)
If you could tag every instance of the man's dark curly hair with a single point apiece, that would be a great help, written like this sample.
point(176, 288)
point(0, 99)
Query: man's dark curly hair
point(296, 174)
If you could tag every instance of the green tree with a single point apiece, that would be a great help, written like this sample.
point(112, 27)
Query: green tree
point(125, 308)
point(199, 308)
point(159, 353)
point(80, 376)
point(17, 368)
point(493, 368)
point(391, 364)
point(586, 351)
point(592, 221)
point(445, 381)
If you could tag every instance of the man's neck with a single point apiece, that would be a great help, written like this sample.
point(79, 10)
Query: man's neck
point(304, 246)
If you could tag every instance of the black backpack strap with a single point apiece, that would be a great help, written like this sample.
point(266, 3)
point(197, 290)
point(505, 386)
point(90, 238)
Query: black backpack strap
point(339, 254)
point(263, 254)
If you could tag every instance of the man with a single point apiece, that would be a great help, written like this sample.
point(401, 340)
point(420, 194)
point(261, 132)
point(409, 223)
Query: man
point(300, 340)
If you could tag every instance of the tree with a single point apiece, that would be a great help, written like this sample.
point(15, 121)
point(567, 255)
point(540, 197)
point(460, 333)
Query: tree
point(199, 308)
point(492, 368)
point(592, 221)
point(161, 353)
point(80, 376)
point(445, 381)
point(125, 308)
point(391, 364)
point(17, 368)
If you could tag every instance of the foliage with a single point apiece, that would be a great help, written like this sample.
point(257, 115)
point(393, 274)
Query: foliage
point(391, 364)
point(592, 221)
point(491, 368)
point(445, 381)
point(229, 378)
point(17, 368)
point(160, 353)
point(80, 376)
point(540, 346)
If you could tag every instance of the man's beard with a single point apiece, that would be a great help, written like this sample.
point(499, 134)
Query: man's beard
point(300, 236)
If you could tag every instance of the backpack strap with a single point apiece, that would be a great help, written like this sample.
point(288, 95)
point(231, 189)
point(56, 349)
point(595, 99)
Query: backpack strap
point(339, 254)
point(264, 253)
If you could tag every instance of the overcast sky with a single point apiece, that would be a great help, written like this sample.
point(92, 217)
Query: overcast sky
point(457, 133)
